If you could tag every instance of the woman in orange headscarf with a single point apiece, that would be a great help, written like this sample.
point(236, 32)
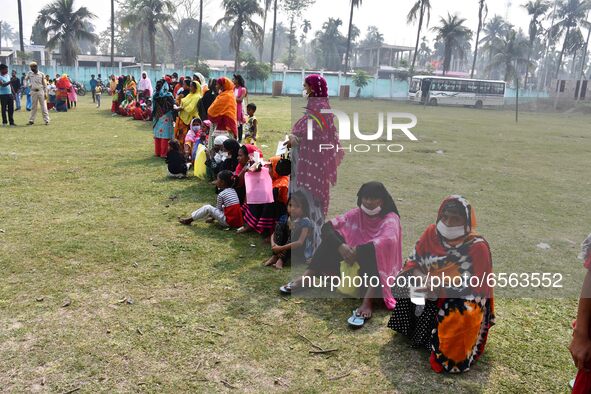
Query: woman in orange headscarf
point(451, 316)
point(223, 110)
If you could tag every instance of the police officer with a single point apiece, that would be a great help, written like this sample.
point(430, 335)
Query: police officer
point(35, 80)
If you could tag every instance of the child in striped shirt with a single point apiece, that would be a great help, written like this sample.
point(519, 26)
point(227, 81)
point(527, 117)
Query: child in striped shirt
point(227, 210)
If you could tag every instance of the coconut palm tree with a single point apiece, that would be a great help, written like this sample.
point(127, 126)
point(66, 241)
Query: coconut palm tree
point(482, 13)
point(354, 4)
point(535, 9)
point(493, 30)
point(330, 44)
point(8, 33)
point(66, 27)
point(511, 54)
point(239, 14)
point(150, 15)
point(419, 9)
point(571, 13)
point(453, 34)
point(424, 51)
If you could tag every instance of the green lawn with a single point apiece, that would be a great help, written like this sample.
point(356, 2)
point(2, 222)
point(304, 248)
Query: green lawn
point(88, 218)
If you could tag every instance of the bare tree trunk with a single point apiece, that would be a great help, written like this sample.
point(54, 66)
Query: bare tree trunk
point(572, 69)
point(199, 30)
point(562, 52)
point(237, 58)
point(414, 57)
point(152, 38)
point(346, 65)
point(583, 60)
point(263, 37)
point(546, 49)
point(142, 45)
point(477, 37)
point(274, 34)
point(112, 33)
point(20, 30)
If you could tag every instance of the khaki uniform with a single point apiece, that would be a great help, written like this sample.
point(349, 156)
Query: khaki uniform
point(37, 84)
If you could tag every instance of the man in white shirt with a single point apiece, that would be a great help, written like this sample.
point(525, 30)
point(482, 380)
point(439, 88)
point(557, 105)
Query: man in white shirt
point(35, 80)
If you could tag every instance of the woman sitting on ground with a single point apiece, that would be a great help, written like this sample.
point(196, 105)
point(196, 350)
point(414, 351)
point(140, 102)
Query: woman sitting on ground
point(263, 217)
point(451, 322)
point(245, 160)
point(369, 240)
point(222, 111)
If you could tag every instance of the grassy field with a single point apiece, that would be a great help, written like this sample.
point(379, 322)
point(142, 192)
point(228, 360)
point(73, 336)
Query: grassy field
point(102, 290)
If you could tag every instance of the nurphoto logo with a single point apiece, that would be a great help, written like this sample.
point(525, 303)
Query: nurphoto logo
point(392, 121)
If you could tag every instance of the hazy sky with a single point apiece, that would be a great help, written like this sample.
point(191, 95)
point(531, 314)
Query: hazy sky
point(388, 15)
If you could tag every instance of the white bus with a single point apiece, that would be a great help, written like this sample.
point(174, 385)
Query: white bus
point(456, 91)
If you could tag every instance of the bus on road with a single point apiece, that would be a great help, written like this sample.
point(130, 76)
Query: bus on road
point(435, 90)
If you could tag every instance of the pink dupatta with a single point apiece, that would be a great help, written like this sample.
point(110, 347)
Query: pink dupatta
point(385, 233)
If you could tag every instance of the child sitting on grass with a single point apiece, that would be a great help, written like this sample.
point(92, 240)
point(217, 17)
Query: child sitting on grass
point(295, 237)
point(227, 210)
point(177, 165)
point(251, 125)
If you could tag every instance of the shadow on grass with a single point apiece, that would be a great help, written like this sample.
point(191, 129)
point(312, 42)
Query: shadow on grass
point(151, 161)
point(409, 369)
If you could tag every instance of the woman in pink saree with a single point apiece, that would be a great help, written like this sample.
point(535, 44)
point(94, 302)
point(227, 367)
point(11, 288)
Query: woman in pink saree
point(368, 238)
point(314, 172)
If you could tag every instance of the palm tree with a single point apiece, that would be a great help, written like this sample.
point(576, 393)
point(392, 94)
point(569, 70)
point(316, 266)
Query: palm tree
point(571, 13)
point(20, 29)
point(494, 30)
point(150, 15)
point(424, 51)
point(535, 9)
point(266, 7)
point(453, 34)
point(112, 33)
point(420, 7)
point(306, 27)
point(482, 13)
point(199, 29)
point(7, 33)
point(354, 4)
point(240, 13)
point(67, 28)
point(511, 54)
point(330, 44)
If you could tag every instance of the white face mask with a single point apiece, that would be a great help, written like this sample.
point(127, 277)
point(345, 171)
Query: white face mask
point(304, 93)
point(450, 232)
point(371, 212)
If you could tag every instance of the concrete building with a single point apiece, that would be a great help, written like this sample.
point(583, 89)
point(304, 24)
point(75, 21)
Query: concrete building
point(569, 89)
point(382, 58)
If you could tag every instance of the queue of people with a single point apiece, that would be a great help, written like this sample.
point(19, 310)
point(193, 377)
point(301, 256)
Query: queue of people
point(286, 198)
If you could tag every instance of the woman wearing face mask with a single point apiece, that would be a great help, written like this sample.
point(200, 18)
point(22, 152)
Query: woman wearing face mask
point(449, 319)
point(370, 237)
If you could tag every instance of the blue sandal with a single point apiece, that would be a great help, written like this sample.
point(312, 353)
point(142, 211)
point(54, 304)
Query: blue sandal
point(356, 321)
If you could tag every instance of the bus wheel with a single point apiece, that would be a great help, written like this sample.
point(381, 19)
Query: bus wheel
point(478, 104)
point(433, 102)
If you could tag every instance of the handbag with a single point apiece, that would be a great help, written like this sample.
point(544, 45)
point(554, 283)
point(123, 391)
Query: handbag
point(283, 167)
point(259, 187)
